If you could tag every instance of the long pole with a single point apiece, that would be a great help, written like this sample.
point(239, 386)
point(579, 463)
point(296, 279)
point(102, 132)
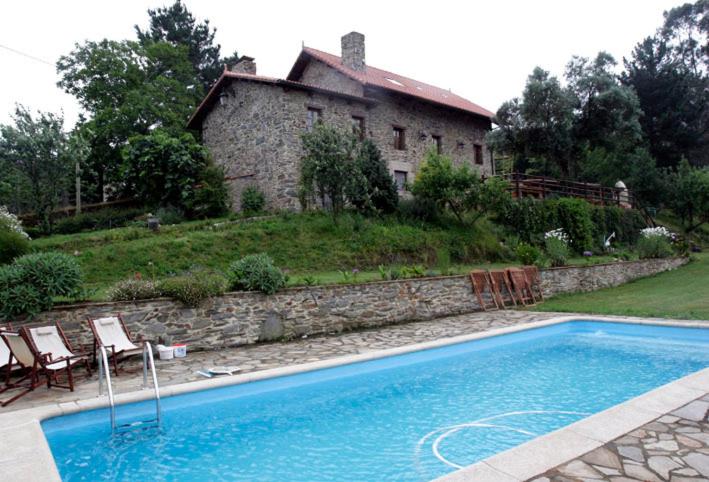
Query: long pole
point(78, 187)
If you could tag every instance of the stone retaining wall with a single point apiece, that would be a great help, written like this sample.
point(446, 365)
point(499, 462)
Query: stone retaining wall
point(240, 317)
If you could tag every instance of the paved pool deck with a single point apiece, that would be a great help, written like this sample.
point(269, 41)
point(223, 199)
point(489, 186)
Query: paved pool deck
point(660, 436)
point(263, 356)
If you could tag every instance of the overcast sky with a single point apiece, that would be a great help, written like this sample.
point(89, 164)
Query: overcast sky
point(482, 50)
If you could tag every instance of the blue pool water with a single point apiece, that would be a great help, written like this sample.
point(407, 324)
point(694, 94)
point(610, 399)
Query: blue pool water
point(409, 417)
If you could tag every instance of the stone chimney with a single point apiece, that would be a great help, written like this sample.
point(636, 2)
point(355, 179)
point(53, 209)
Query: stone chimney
point(353, 51)
point(245, 65)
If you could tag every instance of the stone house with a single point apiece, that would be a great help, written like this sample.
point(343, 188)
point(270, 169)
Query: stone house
point(252, 124)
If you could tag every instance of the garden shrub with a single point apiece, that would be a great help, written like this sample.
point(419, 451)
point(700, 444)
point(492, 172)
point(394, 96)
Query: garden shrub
point(655, 243)
point(527, 254)
point(654, 247)
point(30, 283)
point(193, 289)
point(94, 220)
point(170, 215)
point(52, 273)
point(12, 245)
point(574, 217)
point(211, 198)
point(133, 289)
point(527, 218)
point(556, 247)
point(418, 209)
point(256, 272)
point(252, 200)
point(14, 241)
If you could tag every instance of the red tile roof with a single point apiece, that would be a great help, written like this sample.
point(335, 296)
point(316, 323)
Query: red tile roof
point(390, 81)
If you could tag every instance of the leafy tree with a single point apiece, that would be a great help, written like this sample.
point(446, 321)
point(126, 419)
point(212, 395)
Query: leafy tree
point(328, 168)
point(686, 30)
point(458, 188)
point(38, 151)
point(127, 89)
point(608, 112)
point(669, 73)
point(164, 170)
point(376, 190)
point(176, 26)
point(688, 195)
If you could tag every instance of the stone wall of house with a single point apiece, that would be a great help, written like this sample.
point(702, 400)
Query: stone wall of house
point(319, 74)
point(242, 318)
point(459, 132)
point(254, 133)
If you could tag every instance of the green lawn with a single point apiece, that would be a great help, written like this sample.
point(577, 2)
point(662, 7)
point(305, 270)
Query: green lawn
point(682, 293)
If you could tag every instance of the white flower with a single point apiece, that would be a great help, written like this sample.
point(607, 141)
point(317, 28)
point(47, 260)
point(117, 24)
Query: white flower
point(11, 222)
point(558, 234)
point(659, 231)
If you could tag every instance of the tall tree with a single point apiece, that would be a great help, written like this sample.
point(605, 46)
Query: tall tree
point(537, 129)
point(608, 113)
point(127, 89)
point(37, 150)
point(669, 73)
point(176, 25)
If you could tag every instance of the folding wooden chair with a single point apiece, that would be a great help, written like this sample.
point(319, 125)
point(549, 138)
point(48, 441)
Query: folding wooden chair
point(54, 354)
point(534, 280)
point(23, 357)
point(520, 287)
point(111, 333)
point(481, 282)
point(500, 283)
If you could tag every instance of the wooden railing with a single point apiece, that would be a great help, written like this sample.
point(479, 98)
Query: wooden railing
point(540, 187)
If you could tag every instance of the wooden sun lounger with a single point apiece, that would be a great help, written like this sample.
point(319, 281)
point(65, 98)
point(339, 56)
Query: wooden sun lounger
point(481, 282)
point(25, 360)
point(54, 354)
point(502, 288)
point(111, 332)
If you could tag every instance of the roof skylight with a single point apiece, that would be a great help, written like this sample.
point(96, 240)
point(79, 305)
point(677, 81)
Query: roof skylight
point(395, 82)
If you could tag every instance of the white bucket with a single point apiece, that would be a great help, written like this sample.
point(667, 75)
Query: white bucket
point(166, 352)
point(180, 350)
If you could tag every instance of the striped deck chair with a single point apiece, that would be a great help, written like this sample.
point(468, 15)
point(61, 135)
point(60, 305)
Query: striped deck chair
point(520, 287)
point(502, 289)
point(535, 281)
point(481, 283)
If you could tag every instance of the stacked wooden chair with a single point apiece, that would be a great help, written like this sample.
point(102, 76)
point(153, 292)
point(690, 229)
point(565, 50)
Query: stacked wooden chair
point(480, 279)
point(508, 287)
point(502, 288)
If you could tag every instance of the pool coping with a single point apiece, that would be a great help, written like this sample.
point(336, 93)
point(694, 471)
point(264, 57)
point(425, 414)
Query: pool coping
point(25, 452)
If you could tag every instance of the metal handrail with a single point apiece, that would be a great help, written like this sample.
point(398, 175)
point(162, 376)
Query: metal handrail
point(148, 356)
point(105, 371)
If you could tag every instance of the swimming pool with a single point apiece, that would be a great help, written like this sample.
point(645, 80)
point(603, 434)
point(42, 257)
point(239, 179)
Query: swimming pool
point(408, 417)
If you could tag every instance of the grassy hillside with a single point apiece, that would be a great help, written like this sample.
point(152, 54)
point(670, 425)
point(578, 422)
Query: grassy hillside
point(302, 244)
point(682, 293)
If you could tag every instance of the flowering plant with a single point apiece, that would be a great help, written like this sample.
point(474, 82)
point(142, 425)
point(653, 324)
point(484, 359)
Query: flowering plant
point(10, 221)
point(557, 234)
point(659, 231)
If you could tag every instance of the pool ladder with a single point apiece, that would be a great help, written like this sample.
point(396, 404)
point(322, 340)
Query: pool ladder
point(104, 372)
